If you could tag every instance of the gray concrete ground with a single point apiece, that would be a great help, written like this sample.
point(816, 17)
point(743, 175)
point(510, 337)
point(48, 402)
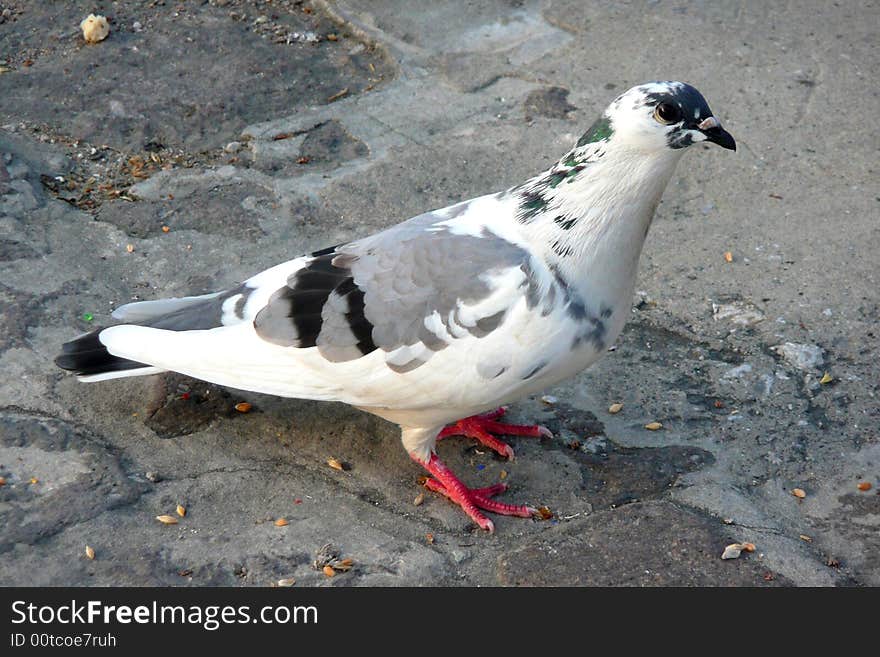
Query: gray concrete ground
point(344, 117)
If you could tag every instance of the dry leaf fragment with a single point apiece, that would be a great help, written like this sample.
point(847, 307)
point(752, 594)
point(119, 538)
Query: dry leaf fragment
point(243, 407)
point(732, 551)
point(94, 28)
point(799, 493)
point(864, 486)
point(826, 378)
point(181, 510)
point(653, 426)
point(328, 571)
point(728, 256)
point(336, 464)
point(286, 582)
point(615, 408)
point(339, 94)
point(419, 499)
point(281, 522)
point(90, 552)
point(165, 519)
point(748, 547)
point(806, 538)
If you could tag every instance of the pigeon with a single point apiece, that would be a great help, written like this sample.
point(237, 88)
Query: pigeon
point(438, 322)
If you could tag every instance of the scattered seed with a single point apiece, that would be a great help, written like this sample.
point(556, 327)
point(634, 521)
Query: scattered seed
point(90, 552)
point(420, 498)
point(328, 571)
point(166, 519)
point(243, 407)
point(429, 538)
point(864, 486)
point(799, 493)
point(545, 513)
point(826, 378)
point(166, 229)
point(181, 510)
point(286, 582)
point(129, 248)
point(336, 464)
point(339, 94)
point(653, 426)
point(615, 408)
point(728, 256)
point(281, 522)
point(94, 28)
point(732, 551)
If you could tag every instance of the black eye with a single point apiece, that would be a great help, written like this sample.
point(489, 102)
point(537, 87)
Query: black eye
point(667, 113)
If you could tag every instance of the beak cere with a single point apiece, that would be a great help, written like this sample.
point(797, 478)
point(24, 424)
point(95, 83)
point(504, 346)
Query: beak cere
point(711, 127)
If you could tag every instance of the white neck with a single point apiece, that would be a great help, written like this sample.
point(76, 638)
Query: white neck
point(594, 223)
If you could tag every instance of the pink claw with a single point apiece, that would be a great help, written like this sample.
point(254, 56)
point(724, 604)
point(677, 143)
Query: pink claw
point(481, 427)
point(471, 500)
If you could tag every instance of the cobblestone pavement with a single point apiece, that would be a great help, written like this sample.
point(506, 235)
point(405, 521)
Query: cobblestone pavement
point(256, 131)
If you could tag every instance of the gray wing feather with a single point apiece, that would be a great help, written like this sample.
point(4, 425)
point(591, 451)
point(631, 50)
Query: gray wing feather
point(378, 292)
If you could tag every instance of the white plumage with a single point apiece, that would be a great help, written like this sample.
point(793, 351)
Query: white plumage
point(449, 314)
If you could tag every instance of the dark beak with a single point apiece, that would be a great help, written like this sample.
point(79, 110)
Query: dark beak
point(721, 137)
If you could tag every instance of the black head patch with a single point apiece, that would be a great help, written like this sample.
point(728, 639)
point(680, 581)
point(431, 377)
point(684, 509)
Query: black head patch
point(690, 102)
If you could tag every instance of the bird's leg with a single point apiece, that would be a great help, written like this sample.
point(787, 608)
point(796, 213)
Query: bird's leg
point(484, 425)
point(471, 500)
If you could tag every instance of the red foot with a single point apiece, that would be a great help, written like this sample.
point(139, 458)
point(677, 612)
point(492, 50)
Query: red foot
point(471, 499)
point(484, 425)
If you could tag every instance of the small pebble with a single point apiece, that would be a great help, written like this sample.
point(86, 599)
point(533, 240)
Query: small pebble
point(136, 26)
point(232, 147)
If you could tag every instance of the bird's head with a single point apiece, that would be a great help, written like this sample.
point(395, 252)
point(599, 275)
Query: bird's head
point(659, 115)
